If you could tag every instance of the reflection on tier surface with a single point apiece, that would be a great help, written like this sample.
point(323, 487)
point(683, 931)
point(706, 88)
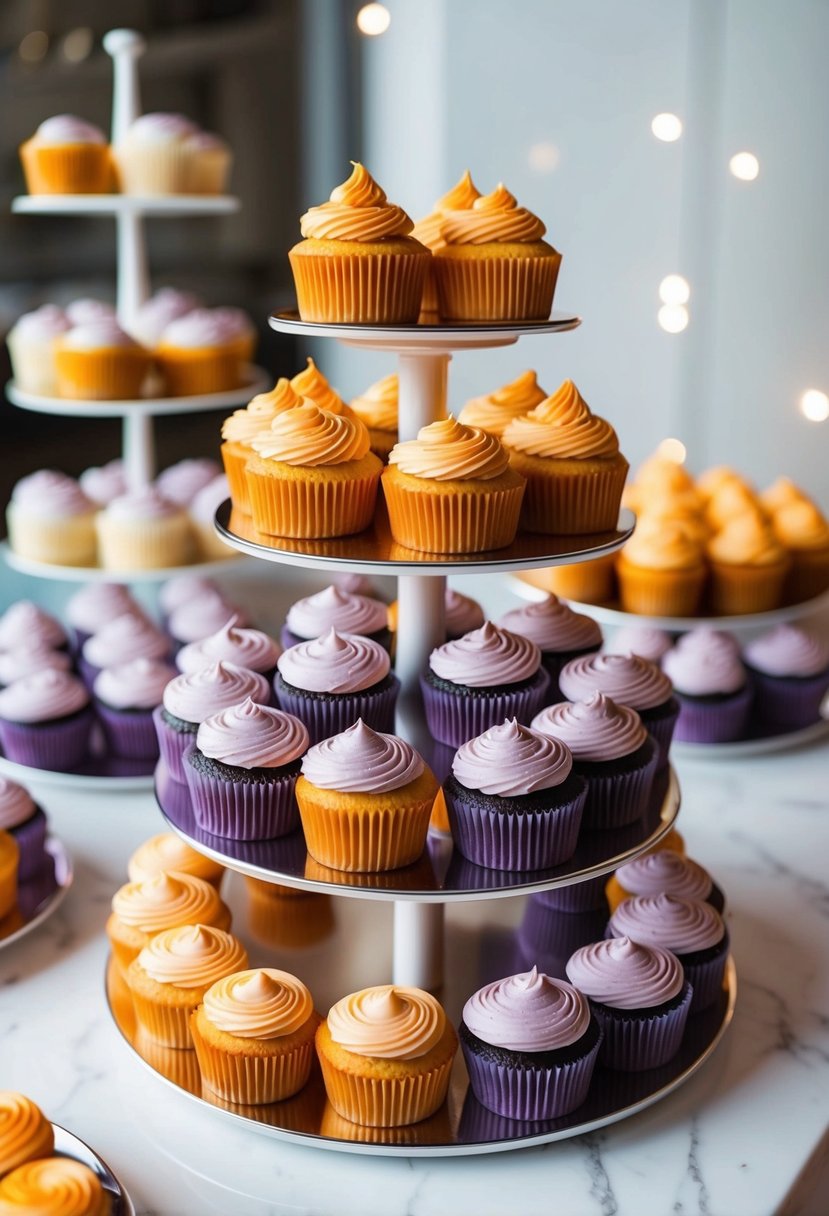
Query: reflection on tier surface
point(40, 895)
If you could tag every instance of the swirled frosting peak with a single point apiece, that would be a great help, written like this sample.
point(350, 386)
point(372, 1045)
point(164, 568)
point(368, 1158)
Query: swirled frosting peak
point(527, 1012)
point(564, 427)
point(511, 760)
point(127, 637)
point(258, 414)
point(362, 761)
point(192, 956)
point(262, 1003)
point(26, 660)
point(377, 406)
point(663, 544)
point(486, 658)
point(494, 217)
point(665, 872)
point(787, 651)
point(41, 697)
point(309, 436)
point(800, 525)
point(47, 493)
point(594, 730)
point(388, 1022)
point(746, 540)
point(24, 623)
point(335, 663)
point(52, 1186)
point(460, 198)
point(462, 613)
point(494, 410)
point(312, 384)
point(16, 806)
point(91, 607)
point(166, 851)
point(252, 736)
point(553, 626)
point(250, 648)
point(626, 678)
point(449, 451)
point(643, 640)
point(334, 607)
point(25, 1132)
point(166, 901)
point(200, 694)
point(357, 210)
point(702, 665)
point(626, 975)
point(681, 925)
point(138, 684)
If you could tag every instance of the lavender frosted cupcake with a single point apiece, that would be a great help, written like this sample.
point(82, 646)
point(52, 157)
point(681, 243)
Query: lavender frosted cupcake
point(105, 482)
point(125, 697)
point(46, 720)
point(560, 634)
point(25, 624)
point(665, 872)
point(711, 686)
point(181, 482)
point(335, 608)
point(128, 637)
point(189, 700)
point(693, 931)
point(639, 996)
point(249, 648)
point(175, 592)
point(330, 682)
point(198, 618)
point(628, 680)
point(463, 614)
point(26, 660)
point(94, 606)
point(24, 820)
point(611, 750)
point(51, 520)
point(242, 772)
point(789, 669)
point(647, 642)
point(479, 680)
point(513, 800)
point(530, 1045)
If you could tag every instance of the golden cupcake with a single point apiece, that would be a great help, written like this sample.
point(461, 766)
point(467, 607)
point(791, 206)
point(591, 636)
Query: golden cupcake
point(748, 567)
point(570, 457)
point(591, 582)
point(254, 1036)
point(25, 1132)
point(170, 976)
point(205, 351)
point(494, 265)
point(9, 856)
point(67, 156)
point(804, 531)
point(166, 851)
point(661, 571)
point(494, 410)
point(358, 264)
point(429, 232)
point(53, 1186)
point(313, 475)
point(386, 1055)
point(98, 361)
point(242, 426)
point(377, 410)
point(452, 490)
point(142, 909)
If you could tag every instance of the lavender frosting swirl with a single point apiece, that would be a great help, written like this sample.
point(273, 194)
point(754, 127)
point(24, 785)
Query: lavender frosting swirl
point(146, 503)
point(665, 872)
point(553, 626)
point(196, 619)
point(96, 604)
point(104, 483)
point(787, 651)
point(628, 679)
point(625, 974)
point(249, 648)
point(43, 696)
point(26, 660)
point(595, 730)
point(681, 925)
point(49, 493)
point(183, 588)
point(182, 481)
point(362, 761)
point(335, 662)
point(128, 637)
point(16, 804)
point(527, 1012)
point(648, 643)
point(511, 760)
point(24, 624)
point(486, 657)
point(347, 613)
point(200, 694)
point(138, 684)
point(704, 663)
point(252, 736)
point(462, 613)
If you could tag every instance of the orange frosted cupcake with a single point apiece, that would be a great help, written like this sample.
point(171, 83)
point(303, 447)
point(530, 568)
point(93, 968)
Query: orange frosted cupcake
point(240, 428)
point(358, 263)
point(53, 1186)
point(781, 493)
point(729, 500)
point(748, 567)
point(25, 1132)
point(428, 231)
point(452, 490)
point(313, 475)
point(166, 851)
point(495, 410)
point(386, 1056)
point(313, 385)
point(67, 156)
point(98, 361)
point(570, 457)
point(142, 909)
point(377, 410)
point(804, 531)
point(9, 858)
point(365, 799)
point(205, 351)
point(661, 571)
point(494, 266)
point(170, 976)
point(254, 1036)
point(713, 479)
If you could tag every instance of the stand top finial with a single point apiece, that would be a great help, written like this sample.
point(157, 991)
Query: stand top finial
point(121, 42)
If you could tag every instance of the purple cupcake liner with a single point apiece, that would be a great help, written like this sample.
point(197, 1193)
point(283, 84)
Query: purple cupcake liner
point(586, 896)
point(34, 890)
point(618, 799)
point(454, 719)
point(783, 705)
point(634, 1044)
point(87, 671)
point(706, 978)
point(546, 933)
point(237, 810)
point(501, 840)
point(477, 1125)
point(721, 721)
point(324, 718)
point(30, 837)
point(530, 1093)
point(56, 746)
point(172, 745)
point(661, 730)
point(130, 735)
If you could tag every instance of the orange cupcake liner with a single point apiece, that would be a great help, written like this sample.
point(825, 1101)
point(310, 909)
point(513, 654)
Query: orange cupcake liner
point(177, 1064)
point(735, 590)
point(234, 458)
point(809, 575)
point(660, 592)
point(291, 922)
point(566, 504)
point(191, 373)
point(429, 303)
point(8, 890)
point(102, 375)
point(253, 1080)
point(167, 1024)
point(496, 288)
point(364, 839)
point(436, 1129)
point(378, 288)
point(439, 821)
point(593, 582)
point(67, 168)
point(462, 522)
point(311, 508)
point(209, 171)
point(385, 1101)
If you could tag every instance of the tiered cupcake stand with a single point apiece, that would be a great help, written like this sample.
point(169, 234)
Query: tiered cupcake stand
point(475, 953)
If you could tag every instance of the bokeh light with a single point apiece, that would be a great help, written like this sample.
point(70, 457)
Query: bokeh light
point(673, 318)
point(373, 19)
point(745, 166)
point(814, 405)
point(667, 127)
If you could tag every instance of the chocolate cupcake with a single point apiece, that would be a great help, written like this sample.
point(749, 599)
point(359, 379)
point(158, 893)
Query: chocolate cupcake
point(128, 637)
point(25, 822)
point(335, 608)
point(46, 721)
point(668, 873)
point(125, 697)
point(248, 648)
point(789, 670)
point(560, 634)
point(94, 606)
point(711, 686)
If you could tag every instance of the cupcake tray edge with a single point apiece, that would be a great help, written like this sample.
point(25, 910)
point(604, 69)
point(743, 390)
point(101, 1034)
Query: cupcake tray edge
point(67, 1144)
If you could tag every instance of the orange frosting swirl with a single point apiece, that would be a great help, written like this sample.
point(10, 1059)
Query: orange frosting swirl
point(165, 901)
point(310, 436)
point(25, 1132)
point(192, 956)
point(357, 211)
point(492, 217)
point(460, 198)
point(714, 478)
point(262, 1003)
point(388, 1022)
point(494, 410)
point(449, 451)
point(662, 476)
point(53, 1186)
point(746, 541)
point(800, 525)
point(782, 493)
point(311, 383)
point(663, 545)
point(377, 406)
point(562, 426)
point(651, 515)
point(166, 851)
point(731, 499)
point(242, 425)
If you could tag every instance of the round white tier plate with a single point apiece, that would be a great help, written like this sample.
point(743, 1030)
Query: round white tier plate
point(100, 781)
point(428, 339)
point(97, 574)
point(375, 552)
point(441, 875)
point(125, 204)
point(349, 951)
point(38, 898)
point(752, 747)
point(69, 1145)
point(257, 379)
